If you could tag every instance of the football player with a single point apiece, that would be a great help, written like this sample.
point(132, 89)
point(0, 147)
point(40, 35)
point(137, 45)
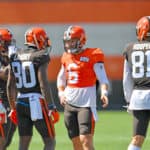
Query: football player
point(7, 126)
point(28, 76)
point(76, 82)
point(136, 81)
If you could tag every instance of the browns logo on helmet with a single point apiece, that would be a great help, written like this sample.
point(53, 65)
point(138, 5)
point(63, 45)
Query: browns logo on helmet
point(143, 28)
point(74, 39)
point(37, 37)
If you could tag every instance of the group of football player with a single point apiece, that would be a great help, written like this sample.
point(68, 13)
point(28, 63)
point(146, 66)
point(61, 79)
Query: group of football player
point(26, 95)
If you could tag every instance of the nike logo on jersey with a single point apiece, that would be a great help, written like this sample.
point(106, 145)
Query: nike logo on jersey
point(84, 59)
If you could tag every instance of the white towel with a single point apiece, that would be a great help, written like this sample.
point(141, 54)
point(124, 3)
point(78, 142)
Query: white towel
point(94, 111)
point(35, 107)
point(11, 50)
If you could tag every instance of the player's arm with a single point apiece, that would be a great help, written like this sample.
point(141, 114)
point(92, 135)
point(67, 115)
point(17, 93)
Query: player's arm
point(11, 88)
point(12, 94)
point(127, 81)
point(4, 73)
point(61, 84)
point(44, 83)
point(103, 80)
point(46, 92)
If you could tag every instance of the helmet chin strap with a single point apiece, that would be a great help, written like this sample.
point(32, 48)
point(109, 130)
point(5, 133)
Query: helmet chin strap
point(76, 50)
point(72, 51)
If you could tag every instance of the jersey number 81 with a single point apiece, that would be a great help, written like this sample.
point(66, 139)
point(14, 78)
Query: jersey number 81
point(140, 64)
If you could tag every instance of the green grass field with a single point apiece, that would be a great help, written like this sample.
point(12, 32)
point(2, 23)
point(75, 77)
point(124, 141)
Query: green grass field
point(113, 132)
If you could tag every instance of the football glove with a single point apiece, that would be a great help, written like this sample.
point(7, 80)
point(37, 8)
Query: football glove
point(53, 113)
point(13, 116)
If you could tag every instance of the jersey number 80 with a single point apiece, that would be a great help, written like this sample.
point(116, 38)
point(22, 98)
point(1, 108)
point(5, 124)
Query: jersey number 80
point(25, 74)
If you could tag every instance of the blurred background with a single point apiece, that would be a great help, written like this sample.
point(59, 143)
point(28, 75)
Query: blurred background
point(109, 25)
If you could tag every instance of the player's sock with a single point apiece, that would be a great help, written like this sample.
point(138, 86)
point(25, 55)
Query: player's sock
point(133, 147)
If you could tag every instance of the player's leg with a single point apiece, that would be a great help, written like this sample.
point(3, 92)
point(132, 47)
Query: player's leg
point(86, 127)
point(77, 143)
point(4, 127)
point(49, 142)
point(24, 142)
point(2, 135)
point(2, 142)
point(141, 120)
point(10, 129)
point(25, 125)
point(87, 141)
point(45, 128)
point(71, 123)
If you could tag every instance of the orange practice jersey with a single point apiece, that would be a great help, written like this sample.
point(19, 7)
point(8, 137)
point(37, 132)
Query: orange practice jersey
point(79, 68)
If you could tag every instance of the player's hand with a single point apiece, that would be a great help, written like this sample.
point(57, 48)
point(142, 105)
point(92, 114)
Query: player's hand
point(105, 101)
point(13, 116)
point(62, 99)
point(127, 107)
point(53, 113)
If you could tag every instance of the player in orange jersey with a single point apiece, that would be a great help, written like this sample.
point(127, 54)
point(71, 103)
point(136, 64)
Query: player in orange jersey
point(76, 83)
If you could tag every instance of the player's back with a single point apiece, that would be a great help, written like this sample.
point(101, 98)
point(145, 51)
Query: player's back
point(25, 65)
point(138, 56)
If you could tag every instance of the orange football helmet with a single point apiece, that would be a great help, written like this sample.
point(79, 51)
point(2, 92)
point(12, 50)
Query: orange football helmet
point(74, 32)
point(5, 39)
point(143, 28)
point(37, 37)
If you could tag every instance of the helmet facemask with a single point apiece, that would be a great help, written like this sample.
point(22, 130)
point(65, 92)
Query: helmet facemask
point(74, 39)
point(73, 46)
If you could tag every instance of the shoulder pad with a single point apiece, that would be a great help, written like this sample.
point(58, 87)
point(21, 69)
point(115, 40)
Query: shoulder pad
point(127, 49)
point(40, 57)
point(97, 55)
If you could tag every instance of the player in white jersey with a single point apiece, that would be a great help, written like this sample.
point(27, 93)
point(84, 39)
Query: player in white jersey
point(136, 81)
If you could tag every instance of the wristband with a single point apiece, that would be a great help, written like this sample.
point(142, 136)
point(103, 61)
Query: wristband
point(60, 93)
point(51, 106)
point(104, 92)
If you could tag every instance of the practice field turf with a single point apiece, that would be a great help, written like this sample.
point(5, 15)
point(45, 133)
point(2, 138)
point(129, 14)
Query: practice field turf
point(113, 132)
